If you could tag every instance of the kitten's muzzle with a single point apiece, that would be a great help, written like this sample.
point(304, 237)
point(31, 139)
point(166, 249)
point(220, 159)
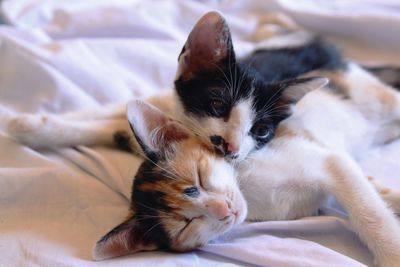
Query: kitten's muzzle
point(224, 148)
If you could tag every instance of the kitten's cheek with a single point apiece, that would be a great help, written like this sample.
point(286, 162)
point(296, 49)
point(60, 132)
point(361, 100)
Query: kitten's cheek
point(245, 148)
point(242, 212)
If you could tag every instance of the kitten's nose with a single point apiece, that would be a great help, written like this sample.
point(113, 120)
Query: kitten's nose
point(218, 209)
point(231, 149)
point(223, 147)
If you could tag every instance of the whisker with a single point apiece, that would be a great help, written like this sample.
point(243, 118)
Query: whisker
point(148, 231)
point(150, 208)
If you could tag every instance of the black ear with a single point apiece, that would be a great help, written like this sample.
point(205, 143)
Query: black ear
point(154, 131)
point(122, 240)
point(208, 47)
point(294, 90)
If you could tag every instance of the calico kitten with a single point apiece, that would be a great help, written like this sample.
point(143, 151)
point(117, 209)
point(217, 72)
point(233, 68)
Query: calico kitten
point(174, 206)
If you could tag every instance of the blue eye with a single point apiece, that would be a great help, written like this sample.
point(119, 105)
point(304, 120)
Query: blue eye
point(192, 191)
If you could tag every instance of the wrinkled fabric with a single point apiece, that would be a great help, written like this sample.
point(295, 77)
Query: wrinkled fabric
point(59, 56)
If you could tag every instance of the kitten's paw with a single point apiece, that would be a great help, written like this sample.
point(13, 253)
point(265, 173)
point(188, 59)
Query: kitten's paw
point(390, 195)
point(26, 129)
point(379, 186)
point(25, 124)
point(389, 262)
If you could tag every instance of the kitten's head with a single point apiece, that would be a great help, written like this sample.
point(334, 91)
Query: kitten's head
point(227, 104)
point(183, 195)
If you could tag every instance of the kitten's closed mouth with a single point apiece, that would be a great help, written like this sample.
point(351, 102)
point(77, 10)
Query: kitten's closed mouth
point(234, 217)
point(220, 152)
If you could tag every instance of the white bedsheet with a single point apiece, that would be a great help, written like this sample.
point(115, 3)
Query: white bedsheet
point(71, 55)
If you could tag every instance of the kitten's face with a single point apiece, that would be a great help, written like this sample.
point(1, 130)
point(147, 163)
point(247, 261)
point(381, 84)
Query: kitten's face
point(234, 116)
point(183, 196)
point(187, 200)
point(229, 106)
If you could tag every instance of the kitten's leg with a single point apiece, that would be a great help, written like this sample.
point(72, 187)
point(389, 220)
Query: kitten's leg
point(390, 195)
point(375, 99)
point(378, 102)
point(111, 111)
point(369, 216)
point(164, 101)
point(51, 131)
point(386, 73)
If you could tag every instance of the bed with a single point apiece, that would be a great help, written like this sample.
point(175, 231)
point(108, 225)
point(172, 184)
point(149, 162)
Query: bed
point(59, 56)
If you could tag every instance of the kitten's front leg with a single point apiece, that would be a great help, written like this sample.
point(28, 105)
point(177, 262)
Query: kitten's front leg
point(46, 131)
point(109, 111)
point(369, 216)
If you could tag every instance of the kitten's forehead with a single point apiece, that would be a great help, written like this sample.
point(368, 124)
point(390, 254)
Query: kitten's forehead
point(232, 84)
point(177, 171)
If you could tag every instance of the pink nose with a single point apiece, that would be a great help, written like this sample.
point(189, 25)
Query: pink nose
point(231, 149)
point(218, 209)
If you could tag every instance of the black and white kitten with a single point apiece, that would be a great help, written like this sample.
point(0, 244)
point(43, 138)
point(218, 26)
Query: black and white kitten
point(233, 106)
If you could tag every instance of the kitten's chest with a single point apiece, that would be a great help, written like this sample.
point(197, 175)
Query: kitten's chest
point(276, 186)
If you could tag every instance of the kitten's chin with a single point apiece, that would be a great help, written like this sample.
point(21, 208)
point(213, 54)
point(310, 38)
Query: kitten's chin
point(235, 160)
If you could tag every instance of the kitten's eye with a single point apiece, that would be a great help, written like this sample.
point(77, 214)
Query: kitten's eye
point(192, 191)
point(260, 130)
point(219, 107)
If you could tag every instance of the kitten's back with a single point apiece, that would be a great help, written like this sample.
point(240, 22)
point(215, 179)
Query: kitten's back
point(287, 63)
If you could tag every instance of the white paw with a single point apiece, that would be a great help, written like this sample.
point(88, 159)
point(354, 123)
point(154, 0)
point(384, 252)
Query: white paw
point(25, 124)
point(28, 129)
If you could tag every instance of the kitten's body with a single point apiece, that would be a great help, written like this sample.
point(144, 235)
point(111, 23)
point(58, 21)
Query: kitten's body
point(313, 154)
point(312, 135)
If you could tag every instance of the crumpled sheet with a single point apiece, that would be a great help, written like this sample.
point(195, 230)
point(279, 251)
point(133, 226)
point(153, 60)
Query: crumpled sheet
point(73, 55)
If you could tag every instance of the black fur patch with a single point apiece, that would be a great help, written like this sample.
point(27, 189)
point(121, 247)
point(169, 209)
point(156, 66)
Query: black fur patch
point(287, 63)
point(122, 141)
point(149, 206)
point(198, 93)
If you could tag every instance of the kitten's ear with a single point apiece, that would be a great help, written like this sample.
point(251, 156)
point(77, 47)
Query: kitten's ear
point(208, 47)
point(121, 240)
point(294, 90)
point(154, 131)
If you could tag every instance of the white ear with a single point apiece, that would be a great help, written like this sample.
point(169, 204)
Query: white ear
point(153, 130)
point(209, 46)
point(298, 88)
